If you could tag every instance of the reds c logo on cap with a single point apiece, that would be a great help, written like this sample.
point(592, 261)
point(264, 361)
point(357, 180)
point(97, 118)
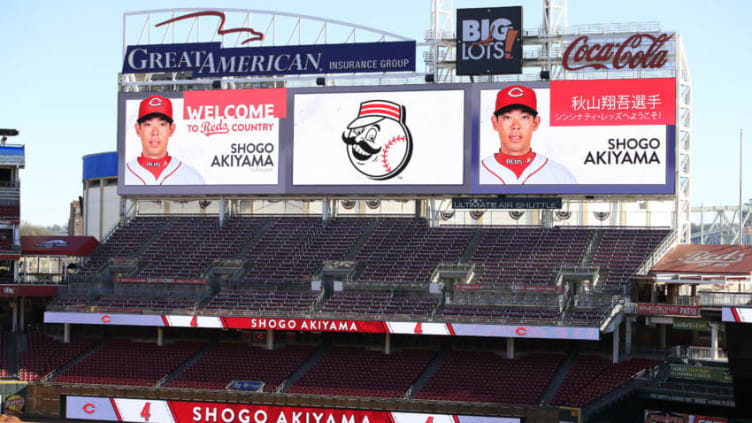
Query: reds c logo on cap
point(154, 106)
point(515, 92)
point(516, 95)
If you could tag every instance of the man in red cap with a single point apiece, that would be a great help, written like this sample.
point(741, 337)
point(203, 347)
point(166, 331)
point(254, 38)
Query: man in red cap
point(515, 119)
point(155, 166)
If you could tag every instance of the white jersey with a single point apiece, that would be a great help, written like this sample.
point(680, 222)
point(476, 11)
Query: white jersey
point(176, 173)
point(541, 171)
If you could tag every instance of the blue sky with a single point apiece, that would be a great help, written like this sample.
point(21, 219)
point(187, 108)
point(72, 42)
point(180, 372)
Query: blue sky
point(59, 63)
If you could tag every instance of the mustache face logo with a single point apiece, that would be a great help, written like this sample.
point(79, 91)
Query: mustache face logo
point(377, 141)
point(361, 150)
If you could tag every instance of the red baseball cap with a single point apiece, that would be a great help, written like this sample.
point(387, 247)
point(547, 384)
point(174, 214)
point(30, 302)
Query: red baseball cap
point(155, 105)
point(516, 95)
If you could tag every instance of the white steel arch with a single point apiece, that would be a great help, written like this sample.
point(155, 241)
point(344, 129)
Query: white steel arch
point(170, 26)
point(270, 21)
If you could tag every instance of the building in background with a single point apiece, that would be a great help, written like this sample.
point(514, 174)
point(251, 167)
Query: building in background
point(75, 221)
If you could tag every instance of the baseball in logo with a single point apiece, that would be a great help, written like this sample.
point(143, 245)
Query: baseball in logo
point(378, 142)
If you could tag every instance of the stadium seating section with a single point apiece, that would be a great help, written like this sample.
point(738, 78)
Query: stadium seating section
point(586, 316)
point(393, 249)
point(378, 304)
point(293, 248)
point(121, 362)
point(475, 376)
point(621, 251)
point(10, 213)
point(187, 247)
point(137, 304)
point(528, 255)
point(124, 242)
point(457, 375)
point(592, 377)
point(65, 301)
point(386, 263)
point(265, 302)
point(279, 257)
point(44, 354)
point(360, 372)
point(407, 250)
point(458, 312)
point(226, 362)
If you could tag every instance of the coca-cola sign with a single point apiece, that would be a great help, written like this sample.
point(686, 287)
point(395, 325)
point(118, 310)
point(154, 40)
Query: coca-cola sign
point(639, 51)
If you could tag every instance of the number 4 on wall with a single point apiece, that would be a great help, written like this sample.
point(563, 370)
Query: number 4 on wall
point(145, 411)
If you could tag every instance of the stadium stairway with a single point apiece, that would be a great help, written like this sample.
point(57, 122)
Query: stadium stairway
point(247, 247)
point(323, 349)
point(568, 310)
point(154, 235)
point(592, 248)
point(608, 400)
point(558, 379)
point(13, 343)
point(358, 244)
point(472, 245)
point(185, 365)
point(252, 240)
point(62, 369)
point(104, 272)
point(428, 372)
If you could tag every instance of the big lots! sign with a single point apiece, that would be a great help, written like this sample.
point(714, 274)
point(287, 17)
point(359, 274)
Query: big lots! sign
point(639, 51)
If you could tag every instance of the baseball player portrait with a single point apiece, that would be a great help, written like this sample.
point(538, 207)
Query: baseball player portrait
point(515, 119)
point(155, 166)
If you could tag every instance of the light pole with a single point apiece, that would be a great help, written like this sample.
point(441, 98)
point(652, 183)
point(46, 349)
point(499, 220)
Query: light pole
point(5, 133)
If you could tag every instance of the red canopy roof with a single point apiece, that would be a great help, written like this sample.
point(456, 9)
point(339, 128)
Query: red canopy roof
point(710, 259)
point(57, 245)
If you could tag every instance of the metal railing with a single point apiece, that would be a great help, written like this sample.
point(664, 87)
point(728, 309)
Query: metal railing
point(523, 299)
point(41, 278)
point(597, 301)
point(724, 299)
point(693, 388)
point(697, 353)
point(685, 300)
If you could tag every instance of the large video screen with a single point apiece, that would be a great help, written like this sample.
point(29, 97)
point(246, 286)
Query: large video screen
point(581, 137)
point(379, 138)
point(196, 141)
point(575, 137)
